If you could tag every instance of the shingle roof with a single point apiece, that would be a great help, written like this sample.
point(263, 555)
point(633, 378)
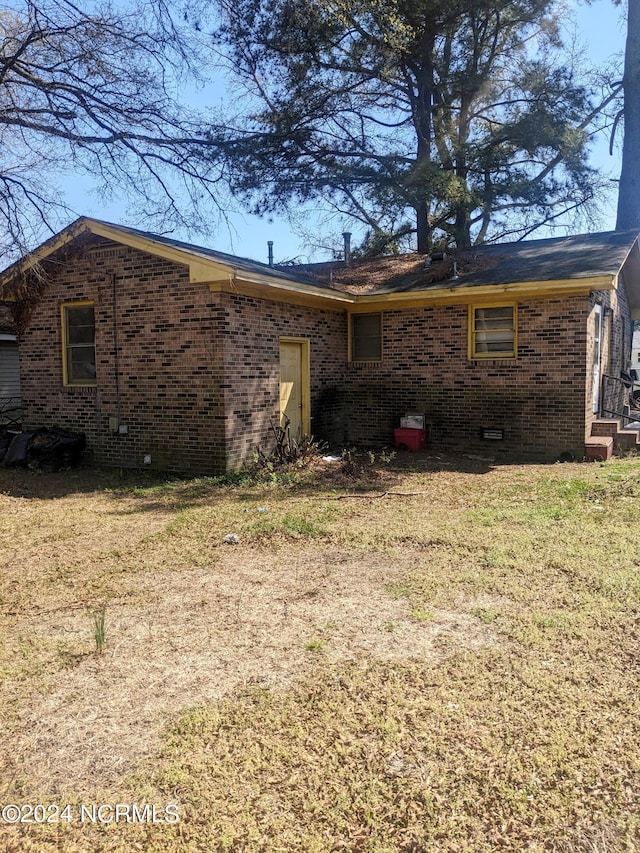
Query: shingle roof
point(189, 251)
point(550, 259)
point(245, 264)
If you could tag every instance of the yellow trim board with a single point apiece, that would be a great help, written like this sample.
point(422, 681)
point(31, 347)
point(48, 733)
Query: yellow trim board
point(222, 277)
point(311, 298)
point(367, 304)
point(41, 253)
point(202, 268)
point(474, 293)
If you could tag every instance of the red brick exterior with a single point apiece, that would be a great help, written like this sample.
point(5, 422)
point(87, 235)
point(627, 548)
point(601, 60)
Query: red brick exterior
point(164, 385)
point(537, 398)
point(251, 345)
point(194, 375)
point(542, 400)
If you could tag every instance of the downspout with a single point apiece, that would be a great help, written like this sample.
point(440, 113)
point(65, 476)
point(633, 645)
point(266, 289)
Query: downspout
point(116, 344)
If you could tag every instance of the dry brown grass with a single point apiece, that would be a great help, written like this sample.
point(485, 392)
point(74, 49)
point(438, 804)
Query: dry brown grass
point(450, 667)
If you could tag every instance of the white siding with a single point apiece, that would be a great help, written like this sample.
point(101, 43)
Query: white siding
point(9, 369)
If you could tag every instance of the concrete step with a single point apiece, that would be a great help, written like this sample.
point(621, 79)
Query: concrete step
point(625, 438)
point(599, 447)
point(628, 438)
point(605, 426)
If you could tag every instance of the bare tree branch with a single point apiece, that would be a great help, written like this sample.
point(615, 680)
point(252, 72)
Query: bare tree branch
point(96, 88)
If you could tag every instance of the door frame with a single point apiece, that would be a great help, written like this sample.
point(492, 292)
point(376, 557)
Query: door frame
point(598, 319)
point(305, 378)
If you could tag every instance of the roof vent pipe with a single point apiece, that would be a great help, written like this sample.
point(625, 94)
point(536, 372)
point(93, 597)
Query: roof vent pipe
point(346, 236)
point(270, 247)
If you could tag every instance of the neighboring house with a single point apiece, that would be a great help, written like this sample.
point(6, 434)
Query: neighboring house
point(9, 370)
point(9, 367)
point(182, 357)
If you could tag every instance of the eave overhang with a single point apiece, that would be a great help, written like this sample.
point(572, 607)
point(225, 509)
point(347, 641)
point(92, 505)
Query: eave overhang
point(221, 275)
point(203, 269)
point(445, 295)
point(454, 294)
point(238, 282)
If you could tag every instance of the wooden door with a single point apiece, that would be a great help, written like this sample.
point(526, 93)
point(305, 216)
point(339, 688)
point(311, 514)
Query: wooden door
point(294, 388)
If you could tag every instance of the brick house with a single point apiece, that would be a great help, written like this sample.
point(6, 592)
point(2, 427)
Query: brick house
point(172, 355)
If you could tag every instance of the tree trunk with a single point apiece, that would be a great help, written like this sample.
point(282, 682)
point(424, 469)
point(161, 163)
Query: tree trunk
point(629, 189)
point(462, 230)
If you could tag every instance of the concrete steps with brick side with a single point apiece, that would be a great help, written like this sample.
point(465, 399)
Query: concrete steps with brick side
point(605, 427)
point(599, 447)
point(628, 439)
point(625, 438)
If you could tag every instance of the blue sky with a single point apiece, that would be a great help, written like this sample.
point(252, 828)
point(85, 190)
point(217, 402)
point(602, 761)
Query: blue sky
point(600, 26)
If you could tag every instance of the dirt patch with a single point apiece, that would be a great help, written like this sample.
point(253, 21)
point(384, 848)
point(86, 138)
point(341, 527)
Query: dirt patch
point(255, 617)
point(449, 650)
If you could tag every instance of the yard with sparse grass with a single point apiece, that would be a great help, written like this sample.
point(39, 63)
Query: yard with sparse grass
point(432, 654)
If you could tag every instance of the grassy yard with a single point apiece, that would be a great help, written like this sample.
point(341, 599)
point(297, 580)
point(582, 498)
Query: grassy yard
point(426, 656)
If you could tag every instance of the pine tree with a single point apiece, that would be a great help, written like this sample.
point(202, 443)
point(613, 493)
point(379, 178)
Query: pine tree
point(456, 114)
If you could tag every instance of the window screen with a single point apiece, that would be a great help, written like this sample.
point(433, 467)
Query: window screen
point(493, 331)
point(79, 344)
point(366, 339)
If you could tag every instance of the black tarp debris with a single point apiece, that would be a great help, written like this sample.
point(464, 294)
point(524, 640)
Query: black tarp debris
point(16, 454)
point(6, 437)
point(47, 449)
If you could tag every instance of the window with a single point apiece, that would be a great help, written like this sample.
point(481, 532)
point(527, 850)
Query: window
point(78, 344)
point(492, 332)
point(366, 337)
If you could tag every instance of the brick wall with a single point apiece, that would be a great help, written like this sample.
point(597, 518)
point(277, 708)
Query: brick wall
point(195, 375)
point(538, 399)
point(164, 385)
point(252, 370)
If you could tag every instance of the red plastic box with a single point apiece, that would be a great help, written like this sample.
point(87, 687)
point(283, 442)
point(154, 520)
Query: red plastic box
point(411, 439)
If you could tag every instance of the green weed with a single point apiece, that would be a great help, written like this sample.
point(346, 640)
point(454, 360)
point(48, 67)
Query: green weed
point(399, 590)
point(422, 615)
point(99, 629)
